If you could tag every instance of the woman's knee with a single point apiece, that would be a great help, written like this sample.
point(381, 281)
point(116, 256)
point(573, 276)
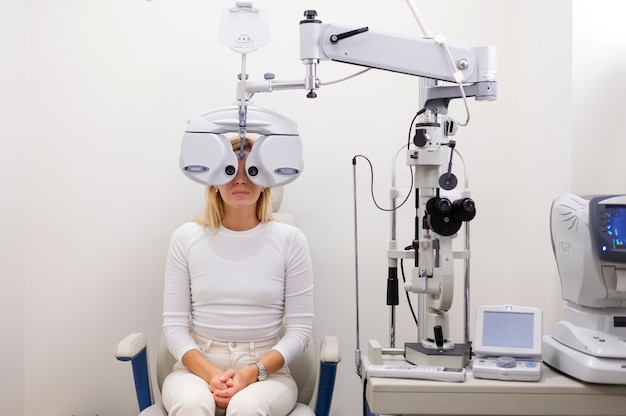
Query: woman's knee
point(187, 394)
point(265, 398)
point(243, 407)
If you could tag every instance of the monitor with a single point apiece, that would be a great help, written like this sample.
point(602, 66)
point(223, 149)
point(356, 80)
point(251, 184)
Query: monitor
point(508, 330)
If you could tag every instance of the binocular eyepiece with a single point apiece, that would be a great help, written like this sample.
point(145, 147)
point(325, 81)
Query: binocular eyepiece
point(446, 217)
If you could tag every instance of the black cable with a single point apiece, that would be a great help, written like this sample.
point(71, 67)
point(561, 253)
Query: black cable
point(372, 185)
point(408, 144)
point(408, 298)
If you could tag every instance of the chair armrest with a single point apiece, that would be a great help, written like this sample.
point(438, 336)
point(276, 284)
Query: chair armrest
point(330, 355)
point(134, 348)
point(129, 347)
point(329, 350)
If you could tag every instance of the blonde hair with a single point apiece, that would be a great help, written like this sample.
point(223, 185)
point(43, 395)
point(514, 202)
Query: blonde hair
point(214, 204)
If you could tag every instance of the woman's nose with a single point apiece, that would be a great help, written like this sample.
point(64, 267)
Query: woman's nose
point(241, 176)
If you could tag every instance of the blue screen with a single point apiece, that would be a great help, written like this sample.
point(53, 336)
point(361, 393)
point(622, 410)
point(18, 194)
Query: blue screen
point(616, 227)
point(508, 329)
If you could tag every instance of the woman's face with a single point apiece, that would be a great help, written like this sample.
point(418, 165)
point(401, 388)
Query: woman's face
point(240, 192)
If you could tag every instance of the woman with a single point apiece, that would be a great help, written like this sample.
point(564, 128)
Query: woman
point(235, 282)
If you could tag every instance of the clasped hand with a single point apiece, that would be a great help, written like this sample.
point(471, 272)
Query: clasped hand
point(225, 385)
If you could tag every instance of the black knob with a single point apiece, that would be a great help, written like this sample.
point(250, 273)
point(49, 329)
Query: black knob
point(420, 138)
point(448, 181)
point(310, 17)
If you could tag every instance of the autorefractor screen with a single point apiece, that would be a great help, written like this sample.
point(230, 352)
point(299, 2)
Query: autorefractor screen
point(616, 226)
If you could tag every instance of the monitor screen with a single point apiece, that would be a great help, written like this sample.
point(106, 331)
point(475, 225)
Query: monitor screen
point(616, 226)
point(607, 224)
point(508, 330)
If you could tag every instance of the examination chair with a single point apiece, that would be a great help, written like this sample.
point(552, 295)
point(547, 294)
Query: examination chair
point(314, 375)
point(307, 370)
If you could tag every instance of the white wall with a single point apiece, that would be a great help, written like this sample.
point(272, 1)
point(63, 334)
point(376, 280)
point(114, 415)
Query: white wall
point(599, 57)
point(113, 85)
point(15, 168)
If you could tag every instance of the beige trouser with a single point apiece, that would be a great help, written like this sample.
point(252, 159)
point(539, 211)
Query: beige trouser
point(185, 394)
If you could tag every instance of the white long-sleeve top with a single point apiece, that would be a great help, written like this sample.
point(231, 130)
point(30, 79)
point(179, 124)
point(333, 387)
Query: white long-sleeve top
point(238, 286)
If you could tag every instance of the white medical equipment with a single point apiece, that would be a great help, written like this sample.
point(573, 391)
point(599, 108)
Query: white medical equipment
point(207, 156)
point(416, 372)
point(589, 243)
point(206, 153)
point(276, 159)
point(507, 343)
